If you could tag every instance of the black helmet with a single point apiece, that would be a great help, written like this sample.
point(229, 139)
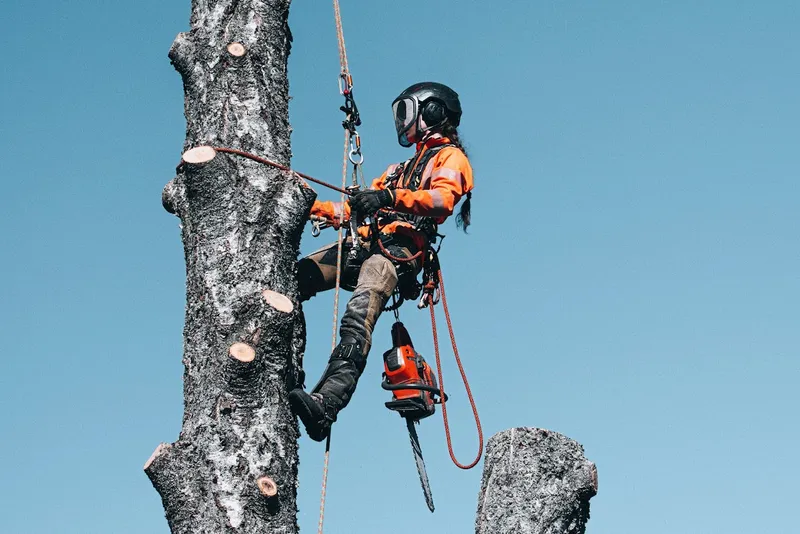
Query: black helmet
point(434, 103)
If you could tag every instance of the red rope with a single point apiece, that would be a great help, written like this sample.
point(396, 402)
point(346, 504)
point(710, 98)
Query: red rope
point(463, 378)
point(397, 258)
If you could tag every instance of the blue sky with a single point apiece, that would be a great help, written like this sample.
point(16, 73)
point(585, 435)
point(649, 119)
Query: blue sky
point(631, 279)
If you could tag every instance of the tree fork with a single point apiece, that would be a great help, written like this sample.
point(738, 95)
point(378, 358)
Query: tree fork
point(234, 465)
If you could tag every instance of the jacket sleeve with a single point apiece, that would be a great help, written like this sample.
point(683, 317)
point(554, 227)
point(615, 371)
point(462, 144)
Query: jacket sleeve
point(333, 210)
point(449, 180)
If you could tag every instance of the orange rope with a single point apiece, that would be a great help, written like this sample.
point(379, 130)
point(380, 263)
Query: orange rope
point(463, 378)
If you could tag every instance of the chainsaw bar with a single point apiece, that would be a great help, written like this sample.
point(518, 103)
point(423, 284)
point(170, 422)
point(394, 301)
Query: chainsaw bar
point(423, 474)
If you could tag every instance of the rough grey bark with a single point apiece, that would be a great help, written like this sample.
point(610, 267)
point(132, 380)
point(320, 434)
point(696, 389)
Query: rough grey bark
point(535, 482)
point(234, 465)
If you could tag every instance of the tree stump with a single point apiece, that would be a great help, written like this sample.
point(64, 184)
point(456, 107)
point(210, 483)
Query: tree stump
point(535, 482)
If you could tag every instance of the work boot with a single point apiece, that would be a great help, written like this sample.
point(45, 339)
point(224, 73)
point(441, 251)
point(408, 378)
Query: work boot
point(319, 409)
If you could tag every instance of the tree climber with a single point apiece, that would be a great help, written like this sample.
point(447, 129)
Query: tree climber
point(407, 204)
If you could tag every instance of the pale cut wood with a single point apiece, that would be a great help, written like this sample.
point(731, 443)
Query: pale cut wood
point(199, 155)
point(279, 301)
point(267, 486)
point(243, 352)
point(236, 49)
point(156, 453)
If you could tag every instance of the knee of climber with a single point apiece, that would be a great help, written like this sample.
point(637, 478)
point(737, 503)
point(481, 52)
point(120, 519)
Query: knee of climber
point(378, 275)
point(376, 281)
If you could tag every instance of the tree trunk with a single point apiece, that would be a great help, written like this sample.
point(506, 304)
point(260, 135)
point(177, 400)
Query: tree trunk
point(535, 482)
point(234, 466)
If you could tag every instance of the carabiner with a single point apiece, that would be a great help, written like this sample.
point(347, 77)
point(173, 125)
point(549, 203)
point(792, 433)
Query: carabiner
point(356, 157)
point(345, 83)
point(424, 301)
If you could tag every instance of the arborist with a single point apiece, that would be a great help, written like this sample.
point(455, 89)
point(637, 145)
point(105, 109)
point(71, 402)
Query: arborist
point(404, 207)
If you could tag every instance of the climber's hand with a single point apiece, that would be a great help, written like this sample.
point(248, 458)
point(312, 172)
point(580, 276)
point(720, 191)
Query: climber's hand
point(368, 202)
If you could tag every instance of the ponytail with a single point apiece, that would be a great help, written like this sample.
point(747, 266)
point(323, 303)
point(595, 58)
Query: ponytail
point(464, 217)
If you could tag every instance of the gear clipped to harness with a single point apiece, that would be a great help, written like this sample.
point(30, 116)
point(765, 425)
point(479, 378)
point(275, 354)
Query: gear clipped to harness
point(409, 377)
point(414, 393)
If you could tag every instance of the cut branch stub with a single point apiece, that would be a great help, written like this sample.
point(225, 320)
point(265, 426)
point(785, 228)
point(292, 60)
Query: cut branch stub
point(199, 155)
point(267, 487)
point(166, 198)
point(278, 301)
point(242, 352)
point(156, 453)
point(236, 49)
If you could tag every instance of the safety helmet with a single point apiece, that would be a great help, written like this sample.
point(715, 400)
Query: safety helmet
point(426, 105)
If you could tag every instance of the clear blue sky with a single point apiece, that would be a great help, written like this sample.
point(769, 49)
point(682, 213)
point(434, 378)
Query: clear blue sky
point(632, 278)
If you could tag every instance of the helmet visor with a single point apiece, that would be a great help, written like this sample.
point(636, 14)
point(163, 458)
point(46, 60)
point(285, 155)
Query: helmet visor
point(405, 115)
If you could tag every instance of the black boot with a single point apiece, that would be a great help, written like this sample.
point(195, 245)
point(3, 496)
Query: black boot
point(318, 410)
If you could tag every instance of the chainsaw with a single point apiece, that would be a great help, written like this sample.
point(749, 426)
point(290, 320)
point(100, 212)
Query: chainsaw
point(415, 393)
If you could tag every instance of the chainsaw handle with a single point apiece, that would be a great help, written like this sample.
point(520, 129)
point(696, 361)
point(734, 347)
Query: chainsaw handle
point(420, 387)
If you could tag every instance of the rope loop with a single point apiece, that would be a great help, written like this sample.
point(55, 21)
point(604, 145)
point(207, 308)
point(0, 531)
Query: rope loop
point(431, 303)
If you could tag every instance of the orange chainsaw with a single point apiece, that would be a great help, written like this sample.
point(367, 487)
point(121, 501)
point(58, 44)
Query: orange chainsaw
point(414, 393)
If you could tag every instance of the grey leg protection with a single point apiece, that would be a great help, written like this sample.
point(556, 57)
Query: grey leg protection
point(376, 282)
point(318, 410)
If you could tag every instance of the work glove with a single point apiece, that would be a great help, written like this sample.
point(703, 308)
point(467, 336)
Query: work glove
point(368, 202)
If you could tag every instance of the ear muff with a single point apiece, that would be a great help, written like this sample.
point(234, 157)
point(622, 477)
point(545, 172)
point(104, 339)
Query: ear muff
point(433, 113)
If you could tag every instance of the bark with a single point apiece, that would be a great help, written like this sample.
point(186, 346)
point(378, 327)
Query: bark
point(535, 482)
point(234, 465)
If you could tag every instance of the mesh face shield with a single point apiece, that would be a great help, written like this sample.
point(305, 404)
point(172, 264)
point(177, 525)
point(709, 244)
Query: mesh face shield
point(406, 111)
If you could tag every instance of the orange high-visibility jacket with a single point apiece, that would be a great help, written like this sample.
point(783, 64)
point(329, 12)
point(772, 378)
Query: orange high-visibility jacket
point(446, 178)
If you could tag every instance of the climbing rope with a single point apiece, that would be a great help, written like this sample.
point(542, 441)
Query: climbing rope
point(324, 481)
point(339, 245)
point(431, 302)
point(337, 15)
point(352, 154)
